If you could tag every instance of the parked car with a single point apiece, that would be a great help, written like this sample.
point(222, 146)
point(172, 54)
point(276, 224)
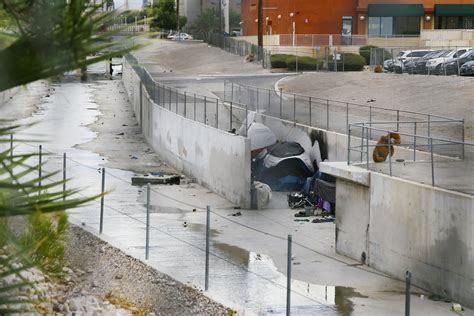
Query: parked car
point(399, 64)
point(453, 67)
point(467, 69)
point(434, 64)
point(182, 36)
point(419, 65)
point(389, 64)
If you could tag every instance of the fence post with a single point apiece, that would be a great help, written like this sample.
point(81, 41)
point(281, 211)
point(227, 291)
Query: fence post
point(64, 177)
point(349, 146)
point(310, 111)
point(194, 112)
point(232, 91)
point(398, 120)
point(367, 141)
point(217, 113)
point(269, 96)
point(362, 144)
point(343, 61)
point(407, 293)
point(281, 100)
point(335, 60)
point(370, 121)
point(429, 127)
point(208, 223)
point(327, 114)
point(169, 98)
point(230, 117)
point(147, 239)
point(294, 108)
point(177, 97)
point(389, 151)
point(414, 144)
point(432, 162)
point(347, 115)
point(101, 225)
point(205, 110)
point(463, 139)
point(258, 100)
point(288, 278)
point(185, 104)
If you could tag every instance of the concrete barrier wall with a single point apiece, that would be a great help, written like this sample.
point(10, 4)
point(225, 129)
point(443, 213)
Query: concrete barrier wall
point(216, 159)
point(399, 225)
point(7, 94)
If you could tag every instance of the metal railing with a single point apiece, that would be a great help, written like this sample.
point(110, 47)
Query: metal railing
point(333, 115)
point(226, 116)
point(430, 154)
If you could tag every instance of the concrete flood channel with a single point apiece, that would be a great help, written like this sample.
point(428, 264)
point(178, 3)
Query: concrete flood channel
point(245, 280)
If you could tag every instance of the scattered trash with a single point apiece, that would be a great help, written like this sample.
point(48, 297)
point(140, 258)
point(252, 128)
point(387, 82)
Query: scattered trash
point(258, 257)
point(133, 157)
point(235, 214)
point(155, 179)
point(399, 160)
point(422, 296)
point(296, 263)
point(194, 210)
point(185, 224)
point(302, 220)
point(324, 219)
point(124, 125)
point(236, 207)
point(121, 134)
point(371, 100)
point(457, 308)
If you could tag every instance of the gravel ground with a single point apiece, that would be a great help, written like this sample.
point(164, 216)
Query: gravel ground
point(107, 273)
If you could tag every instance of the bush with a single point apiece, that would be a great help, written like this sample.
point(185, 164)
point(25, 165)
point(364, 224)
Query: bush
point(279, 60)
point(352, 62)
point(364, 51)
point(46, 234)
point(304, 63)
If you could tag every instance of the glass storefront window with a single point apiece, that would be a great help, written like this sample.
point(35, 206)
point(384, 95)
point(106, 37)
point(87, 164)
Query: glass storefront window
point(406, 25)
point(455, 22)
point(392, 26)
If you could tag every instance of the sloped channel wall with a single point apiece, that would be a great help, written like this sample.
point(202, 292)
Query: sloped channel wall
point(214, 158)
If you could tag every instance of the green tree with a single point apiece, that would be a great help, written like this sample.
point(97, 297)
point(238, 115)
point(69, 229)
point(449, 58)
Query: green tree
point(234, 20)
point(207, 22)
point(163, 15)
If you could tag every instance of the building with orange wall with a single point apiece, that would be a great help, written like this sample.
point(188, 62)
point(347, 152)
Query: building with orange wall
point(357, 17)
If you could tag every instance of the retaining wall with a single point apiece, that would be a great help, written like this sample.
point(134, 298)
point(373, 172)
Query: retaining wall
point(216, 159)
point(398, 225)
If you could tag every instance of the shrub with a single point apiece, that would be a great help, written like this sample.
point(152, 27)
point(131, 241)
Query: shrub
point(352, 62)
point(304, 63)
point(279, 60)
point(364, 51)
point(46, 234)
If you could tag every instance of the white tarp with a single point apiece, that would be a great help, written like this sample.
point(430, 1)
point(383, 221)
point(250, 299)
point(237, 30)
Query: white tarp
point(260, 136)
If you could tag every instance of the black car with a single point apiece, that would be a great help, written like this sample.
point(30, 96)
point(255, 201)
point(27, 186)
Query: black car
point(419, 65)
point(453, 66)
point(467, 69)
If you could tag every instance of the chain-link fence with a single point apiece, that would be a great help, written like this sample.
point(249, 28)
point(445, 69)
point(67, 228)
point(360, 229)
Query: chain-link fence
point(442, 61)
point(336, 116)
point(409, 154)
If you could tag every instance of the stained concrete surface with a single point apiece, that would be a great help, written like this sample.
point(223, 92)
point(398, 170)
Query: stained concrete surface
point(248, 265)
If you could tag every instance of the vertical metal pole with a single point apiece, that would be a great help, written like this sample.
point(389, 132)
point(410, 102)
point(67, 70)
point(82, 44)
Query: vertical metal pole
point(310, 104)
point(347, 115)
point(327, 115)
point(194, 106)
point(414, 144)
point(230, 117)
point(429, 126)
point(281, 101)
point(232, 91)
point(294, 108)
point(398, 120)
point(101, 225)
point(269, 96)
point(288, 278)
point(407, 293)
point(169, 98)
point(205, 110)
point(176, 101)
point(349, 147)
point(370, 121)
point(362, 144)
point(367, 143)
point(246, 119)
point(389, 151)
point(64, 177)
point(185, 104)
point(40, 157)
point(432, 162)
point(462, 139)
point(208, 224)
point(147, 239)
point(258, 100)
point(217, 113)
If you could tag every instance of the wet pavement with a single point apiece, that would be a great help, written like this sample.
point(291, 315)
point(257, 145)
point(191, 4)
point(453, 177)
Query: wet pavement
point(248, 252)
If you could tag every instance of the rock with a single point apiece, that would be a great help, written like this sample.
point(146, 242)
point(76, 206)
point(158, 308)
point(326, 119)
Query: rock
point(119, 276)
point(457, 308)
point(72, 306)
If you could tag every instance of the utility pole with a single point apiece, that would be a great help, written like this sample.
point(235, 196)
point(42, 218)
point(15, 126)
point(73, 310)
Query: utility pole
point(177, 17)
point(260, 28)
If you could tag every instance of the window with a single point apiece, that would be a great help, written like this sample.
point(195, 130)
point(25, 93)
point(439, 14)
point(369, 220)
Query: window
point(390, 26)
point(455, 22)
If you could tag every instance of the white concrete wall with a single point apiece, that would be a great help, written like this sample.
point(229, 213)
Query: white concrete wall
point(403, 225)
point(7, 94)
point(216, 159)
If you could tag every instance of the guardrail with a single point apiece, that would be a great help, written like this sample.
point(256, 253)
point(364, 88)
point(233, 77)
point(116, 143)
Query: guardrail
point(333, 115)
point(402, 149)
point(226, 116)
